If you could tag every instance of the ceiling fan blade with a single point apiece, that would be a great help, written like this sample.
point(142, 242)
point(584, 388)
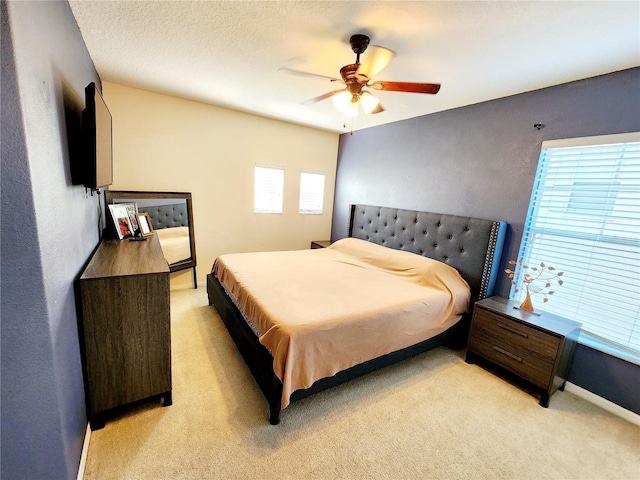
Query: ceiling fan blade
point(411, 87)
point(375, 59)
point(322, 97)
point(300, 73)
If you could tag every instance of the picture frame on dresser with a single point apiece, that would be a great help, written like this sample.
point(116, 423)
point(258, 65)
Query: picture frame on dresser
point(121, 221)
point(132, 211)
point(144, 223)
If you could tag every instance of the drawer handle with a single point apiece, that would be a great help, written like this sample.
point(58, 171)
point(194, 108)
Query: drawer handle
point(508, 354)
point(513, 330)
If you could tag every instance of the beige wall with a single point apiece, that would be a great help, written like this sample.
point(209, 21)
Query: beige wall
point(165, 143)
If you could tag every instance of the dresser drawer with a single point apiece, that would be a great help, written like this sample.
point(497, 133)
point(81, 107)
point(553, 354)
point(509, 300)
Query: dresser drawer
point(521, 336)
point(518, 361)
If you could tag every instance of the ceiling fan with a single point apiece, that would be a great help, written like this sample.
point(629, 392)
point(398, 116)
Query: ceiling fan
point(356, 78)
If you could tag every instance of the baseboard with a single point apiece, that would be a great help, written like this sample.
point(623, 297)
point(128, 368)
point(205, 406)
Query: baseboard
point(85, 452)
point(603, 403)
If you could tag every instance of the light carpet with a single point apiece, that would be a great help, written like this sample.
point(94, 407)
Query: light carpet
point(432, 416)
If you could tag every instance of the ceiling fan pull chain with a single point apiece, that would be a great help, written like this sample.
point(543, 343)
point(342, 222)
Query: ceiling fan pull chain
point(344, 124)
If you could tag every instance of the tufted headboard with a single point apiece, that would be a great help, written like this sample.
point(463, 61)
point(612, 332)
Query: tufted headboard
point(471, 245)
point(167, 216)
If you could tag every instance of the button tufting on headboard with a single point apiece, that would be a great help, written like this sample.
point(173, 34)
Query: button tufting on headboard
point(476, 254)
point(167, 216)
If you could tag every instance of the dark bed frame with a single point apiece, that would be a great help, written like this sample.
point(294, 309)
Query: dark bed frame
point(472, 246)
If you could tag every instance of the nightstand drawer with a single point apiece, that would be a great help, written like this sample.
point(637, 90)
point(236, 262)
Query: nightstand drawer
point(520, 362)
point(520, 336)
point(537, 348)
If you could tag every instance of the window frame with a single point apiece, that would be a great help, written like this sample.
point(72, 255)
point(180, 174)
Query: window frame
point(544, 217)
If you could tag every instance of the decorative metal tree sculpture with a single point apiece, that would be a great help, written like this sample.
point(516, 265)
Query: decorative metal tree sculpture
point(527, 275)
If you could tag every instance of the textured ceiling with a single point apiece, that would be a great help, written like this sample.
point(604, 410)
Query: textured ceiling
point(229, 53)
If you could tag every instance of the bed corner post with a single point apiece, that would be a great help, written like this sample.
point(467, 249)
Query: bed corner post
point(274, 414)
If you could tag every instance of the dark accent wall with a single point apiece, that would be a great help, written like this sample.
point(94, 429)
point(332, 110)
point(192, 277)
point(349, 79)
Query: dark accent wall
point(480, 160)
point(597, 372)
point(48, 231)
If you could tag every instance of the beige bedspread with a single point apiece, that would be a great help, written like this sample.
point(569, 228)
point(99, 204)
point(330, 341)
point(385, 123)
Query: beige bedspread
point(321, 311)
point(175, 243)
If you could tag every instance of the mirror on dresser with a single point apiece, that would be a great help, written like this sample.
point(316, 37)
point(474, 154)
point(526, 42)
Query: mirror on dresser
point(171, 217)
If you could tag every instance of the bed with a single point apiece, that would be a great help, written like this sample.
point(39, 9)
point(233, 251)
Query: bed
point(401, 283)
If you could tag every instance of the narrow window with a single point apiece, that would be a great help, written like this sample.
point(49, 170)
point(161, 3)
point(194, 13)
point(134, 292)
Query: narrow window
point(268, 190)
point(311, 193)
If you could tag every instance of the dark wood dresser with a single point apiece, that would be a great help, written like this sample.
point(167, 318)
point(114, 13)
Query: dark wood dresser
point(125, 330)
point(536, 348)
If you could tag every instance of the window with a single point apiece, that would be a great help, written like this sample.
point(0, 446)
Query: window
point(584, 219)
point(268, 187)
point(311, 192)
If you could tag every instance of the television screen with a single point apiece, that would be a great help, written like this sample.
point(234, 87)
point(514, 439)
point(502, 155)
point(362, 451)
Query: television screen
point(96, 125)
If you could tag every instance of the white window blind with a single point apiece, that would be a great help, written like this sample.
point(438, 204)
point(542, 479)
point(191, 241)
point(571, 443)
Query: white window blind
point(584, 220)
point(268, 190)
point(311, 193)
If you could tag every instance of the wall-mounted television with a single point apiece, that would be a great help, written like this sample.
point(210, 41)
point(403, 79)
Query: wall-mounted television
point(97, 133)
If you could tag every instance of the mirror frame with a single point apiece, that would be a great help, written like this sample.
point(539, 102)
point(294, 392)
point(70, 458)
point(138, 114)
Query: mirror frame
point(111, 195)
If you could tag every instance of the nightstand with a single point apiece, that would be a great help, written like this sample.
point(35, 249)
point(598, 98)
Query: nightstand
point(320, 243)
point(536, 348)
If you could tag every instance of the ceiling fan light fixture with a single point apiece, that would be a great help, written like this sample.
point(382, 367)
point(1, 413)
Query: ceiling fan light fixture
point(369, 102)
point(356, 78)
point(342, 99)
point(351, 110)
